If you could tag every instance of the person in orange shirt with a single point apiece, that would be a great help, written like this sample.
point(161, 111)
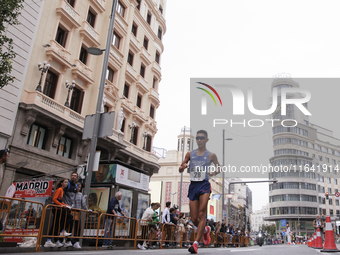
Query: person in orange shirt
point(61, 214)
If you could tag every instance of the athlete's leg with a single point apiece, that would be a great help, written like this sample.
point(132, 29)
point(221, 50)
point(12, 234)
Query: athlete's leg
point(194, 208)
point(202, 214)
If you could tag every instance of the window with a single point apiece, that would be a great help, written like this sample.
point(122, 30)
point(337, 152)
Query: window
point(61, 36)
point(329, 191)
point(126, 90)
point(331, 212)
point(152, 111)
point(120, 8)
point(320, 158)
point(154, 81)
point(334, 162)
point(157, 57)
point(109, 74)
point(142, 70)
point(148, 18)
point(313, 155)
point(36, 136)
point(135, 136)
point(139, 101)
point(77, 100)
point(138, 4)
point(123, 126)
point(91, 17)
point(71, 2)
point(328, 180)
point(116, 40)
point(64, 147)
point(148, 143)
point(50, 84)
point(161, 9)
point(83, 55)
point(134, 29)
point(146, 43)
point(327, 160)
point(160, 33)
point(106, 108)
point(337, 202)
point(130, 59)
point(330, 201)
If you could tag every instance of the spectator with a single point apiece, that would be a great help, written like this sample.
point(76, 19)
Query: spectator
point(110, 222)
point(4, 155)
point(166, 219)
point(60, 216)
point(147, 224)
point(79, 203)
point(211, 225)
point(318, 223)
point(174, 221)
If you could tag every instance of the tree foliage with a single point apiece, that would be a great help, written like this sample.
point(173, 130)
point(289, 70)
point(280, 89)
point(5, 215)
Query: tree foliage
point(9, 12)
point(270, 229)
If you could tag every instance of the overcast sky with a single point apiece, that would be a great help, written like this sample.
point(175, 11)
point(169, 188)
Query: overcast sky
point(222, 38)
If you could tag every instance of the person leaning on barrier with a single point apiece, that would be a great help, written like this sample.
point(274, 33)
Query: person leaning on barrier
point(147, 223)
point(113, 209)
point(166, 219)
point(60, 216)
point(79, 203)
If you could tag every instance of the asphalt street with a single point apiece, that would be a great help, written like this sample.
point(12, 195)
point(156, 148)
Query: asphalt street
point(270, 250)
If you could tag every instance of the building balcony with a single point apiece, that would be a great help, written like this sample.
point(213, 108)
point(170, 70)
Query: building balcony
point(154, 96)
point(128, 106)
point(90, 35)
point(139, 114)
point(59, 54)
point(82, 72)
point(151, 124)
point(131, 73)
point(116, 56)
point(48, 104)
point(157, 70)
point(68, 14)
point(142, 85)
point(145, 56)
point(120, 21)
point(134, 44)
point(99, 4)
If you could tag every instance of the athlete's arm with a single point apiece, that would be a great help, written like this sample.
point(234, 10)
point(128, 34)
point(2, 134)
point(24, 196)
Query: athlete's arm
point(213, 159)
point(185, 162)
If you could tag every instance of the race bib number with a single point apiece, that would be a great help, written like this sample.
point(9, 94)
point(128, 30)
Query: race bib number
point(197, 174)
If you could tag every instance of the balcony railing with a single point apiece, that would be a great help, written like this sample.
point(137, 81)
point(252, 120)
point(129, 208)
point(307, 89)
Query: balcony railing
point(66, 10)
point(53, 106)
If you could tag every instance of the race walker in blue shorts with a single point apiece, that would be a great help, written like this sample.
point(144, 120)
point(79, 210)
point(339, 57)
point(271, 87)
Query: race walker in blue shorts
point(199, 189)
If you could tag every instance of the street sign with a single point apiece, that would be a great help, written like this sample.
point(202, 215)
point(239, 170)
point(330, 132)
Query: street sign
point(337, 194)
point(105, 128)
point(283, 223)
point(283, 233)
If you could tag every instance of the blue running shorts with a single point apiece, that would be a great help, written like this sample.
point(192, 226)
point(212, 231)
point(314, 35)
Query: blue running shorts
point(198, 188)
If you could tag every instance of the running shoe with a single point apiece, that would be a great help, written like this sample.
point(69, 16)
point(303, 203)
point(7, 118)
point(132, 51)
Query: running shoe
point(206, 236)
point(193, 248)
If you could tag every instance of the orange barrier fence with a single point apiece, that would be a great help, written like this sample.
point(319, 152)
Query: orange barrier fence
point(21, 218)
point(58, 220)
point(110, 228)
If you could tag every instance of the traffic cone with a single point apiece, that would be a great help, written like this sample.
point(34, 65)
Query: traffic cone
point(309, 242)
point(329, 237)
point(318, 243)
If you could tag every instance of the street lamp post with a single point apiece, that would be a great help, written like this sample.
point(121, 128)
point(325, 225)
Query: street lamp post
point(181, 183)
point(96, 124)
point(274, 180)
point(223, 173)
point(43, 70)
point(69, 87)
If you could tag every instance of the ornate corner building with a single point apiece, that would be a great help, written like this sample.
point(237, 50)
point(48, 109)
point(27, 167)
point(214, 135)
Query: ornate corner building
point(45, 127)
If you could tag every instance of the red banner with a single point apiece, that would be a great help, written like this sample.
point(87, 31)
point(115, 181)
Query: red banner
point(18, 239)
point(33, 189)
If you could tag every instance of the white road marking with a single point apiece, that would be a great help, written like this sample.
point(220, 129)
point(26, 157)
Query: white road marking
point(244, 250)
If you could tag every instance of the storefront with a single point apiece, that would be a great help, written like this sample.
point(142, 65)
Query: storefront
point(118, 176)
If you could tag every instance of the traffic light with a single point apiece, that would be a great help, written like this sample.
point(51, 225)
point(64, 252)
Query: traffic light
point(326, 195)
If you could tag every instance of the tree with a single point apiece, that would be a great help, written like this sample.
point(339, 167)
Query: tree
point(9, 12)
point(270, 229)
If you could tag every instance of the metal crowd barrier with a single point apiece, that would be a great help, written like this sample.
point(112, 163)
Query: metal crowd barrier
point(24, 218)
point(21, 218)
point(113, 228)
point(56, 219)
